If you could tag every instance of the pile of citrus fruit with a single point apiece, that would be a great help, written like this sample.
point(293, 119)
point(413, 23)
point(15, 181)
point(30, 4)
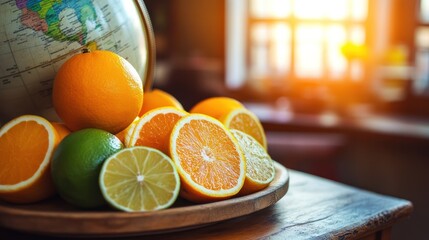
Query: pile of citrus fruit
point(135, 151)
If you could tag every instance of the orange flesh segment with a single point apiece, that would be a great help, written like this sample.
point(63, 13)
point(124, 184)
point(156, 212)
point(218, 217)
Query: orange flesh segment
point(156, 132)
point(20, 164)
point(247, 124)
point(206, 151)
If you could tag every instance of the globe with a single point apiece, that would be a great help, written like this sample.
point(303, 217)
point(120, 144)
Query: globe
point(38, 36)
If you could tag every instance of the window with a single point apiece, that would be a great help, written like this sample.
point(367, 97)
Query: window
point(293, 41)
point(421, 38)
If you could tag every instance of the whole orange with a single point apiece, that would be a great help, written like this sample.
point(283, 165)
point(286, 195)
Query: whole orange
point(157, 98)
point(97, 89)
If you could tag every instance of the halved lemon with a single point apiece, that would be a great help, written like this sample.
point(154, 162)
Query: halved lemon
point(260, 170)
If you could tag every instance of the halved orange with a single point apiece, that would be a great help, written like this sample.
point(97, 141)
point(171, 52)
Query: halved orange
point(245, 121)
point(208, 158)
point(260, 167)
point(26, 146)
point(158, 98)
point(153, 129)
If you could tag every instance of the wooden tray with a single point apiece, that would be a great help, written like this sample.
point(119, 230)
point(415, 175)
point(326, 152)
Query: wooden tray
point(57, 218)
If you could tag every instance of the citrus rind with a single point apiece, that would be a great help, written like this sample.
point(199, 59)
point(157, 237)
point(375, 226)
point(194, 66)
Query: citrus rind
point(44, 165)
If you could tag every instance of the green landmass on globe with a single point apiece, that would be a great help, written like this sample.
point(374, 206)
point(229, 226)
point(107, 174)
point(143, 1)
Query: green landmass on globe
point(44, 16)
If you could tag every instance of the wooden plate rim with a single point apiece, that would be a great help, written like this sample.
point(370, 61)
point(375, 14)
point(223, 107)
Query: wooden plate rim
point(114, 223)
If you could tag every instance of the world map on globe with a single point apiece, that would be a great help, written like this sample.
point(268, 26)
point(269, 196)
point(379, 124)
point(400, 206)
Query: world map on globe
point(38, 36)
point(44, 16)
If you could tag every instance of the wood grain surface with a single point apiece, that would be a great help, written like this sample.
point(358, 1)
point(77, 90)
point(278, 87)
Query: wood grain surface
point(313, 208)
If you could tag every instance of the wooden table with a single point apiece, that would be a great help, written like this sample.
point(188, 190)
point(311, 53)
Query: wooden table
point(313, 208)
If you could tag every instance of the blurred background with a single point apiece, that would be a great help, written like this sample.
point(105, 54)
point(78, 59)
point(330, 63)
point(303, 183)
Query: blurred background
point(341, 86)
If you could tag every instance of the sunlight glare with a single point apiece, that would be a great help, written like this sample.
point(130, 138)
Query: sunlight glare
point(336, 9)
point(357, 34)
point(280, 51)
point(337, 63)
point(270, 8)
point(317, 9)
point(259, 54)
point(309, 50)
point(319, 33)
point(309, 9)
point(281, 8)
point(424, 10)
point(259, 9)
point(359, 9)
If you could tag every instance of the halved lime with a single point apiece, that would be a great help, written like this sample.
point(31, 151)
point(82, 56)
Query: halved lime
point(139, 179)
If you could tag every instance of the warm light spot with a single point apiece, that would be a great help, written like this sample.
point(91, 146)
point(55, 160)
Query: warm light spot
point(316, 9)
point(270, 8)
point(309, 50)
point(259, 50)
point(337, 63)
point(280, 51)
point(359, 9)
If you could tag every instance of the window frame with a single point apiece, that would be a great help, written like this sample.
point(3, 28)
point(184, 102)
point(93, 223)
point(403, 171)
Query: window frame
point(293, 22)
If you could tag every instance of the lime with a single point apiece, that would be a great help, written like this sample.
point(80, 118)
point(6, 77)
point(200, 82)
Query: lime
point(139, 179)
point(77, 163)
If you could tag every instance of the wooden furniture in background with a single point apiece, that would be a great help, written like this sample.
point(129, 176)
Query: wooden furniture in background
point(382, 153)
